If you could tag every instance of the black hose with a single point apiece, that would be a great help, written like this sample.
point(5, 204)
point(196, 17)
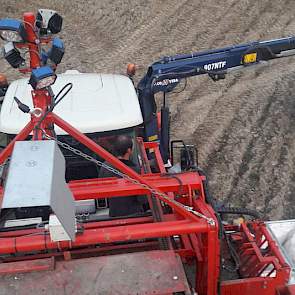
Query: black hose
point(234, 255)
point(210, 200)
point(218, 212)
point(208, 196)
point(239, 211)
point(57, 100)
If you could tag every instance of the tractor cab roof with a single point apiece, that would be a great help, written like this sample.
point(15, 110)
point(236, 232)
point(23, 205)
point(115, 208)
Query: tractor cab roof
point(96, 103)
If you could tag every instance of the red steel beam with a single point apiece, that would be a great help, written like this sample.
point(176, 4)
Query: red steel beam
point(29, 21)
point(159, 160)
point(257, 251)
point(212, 262)
point(88, 225)
point(109, 187)
point(186, 178)
point(143, 154)
point(140, 246)
point(21, 136)
point(39, 242)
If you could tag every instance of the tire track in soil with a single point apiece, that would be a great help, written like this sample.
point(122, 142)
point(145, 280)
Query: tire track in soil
point(216, 42)
point(132, 43)
point(229, 132)
point(237, 184)
point(247, 155)
point(262, 93)
point(215, 36)
point(217, 99)
point(186, 105)
point(276, 129)
point(223, 104)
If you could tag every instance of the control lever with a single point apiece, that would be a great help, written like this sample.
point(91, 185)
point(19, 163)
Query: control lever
point(23, 107)
point(37, 112)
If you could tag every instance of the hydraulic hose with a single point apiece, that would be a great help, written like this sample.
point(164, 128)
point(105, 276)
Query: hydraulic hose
point(209, 199)
point(239, 211)
point(225, 210)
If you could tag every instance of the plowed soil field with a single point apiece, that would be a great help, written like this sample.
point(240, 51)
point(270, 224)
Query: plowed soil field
point(243, 125)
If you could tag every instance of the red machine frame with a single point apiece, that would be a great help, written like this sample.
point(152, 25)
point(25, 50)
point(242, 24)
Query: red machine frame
point(198, 239)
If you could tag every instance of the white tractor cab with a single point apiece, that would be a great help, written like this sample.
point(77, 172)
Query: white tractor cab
point(99, 105)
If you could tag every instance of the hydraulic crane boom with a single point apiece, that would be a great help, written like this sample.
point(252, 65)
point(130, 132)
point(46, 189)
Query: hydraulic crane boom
point(165, 74)
point(215, 62)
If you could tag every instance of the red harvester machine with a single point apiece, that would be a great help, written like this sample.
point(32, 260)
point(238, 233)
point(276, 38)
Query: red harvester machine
point(56, 237)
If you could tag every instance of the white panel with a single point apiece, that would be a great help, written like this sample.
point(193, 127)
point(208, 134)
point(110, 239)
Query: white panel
point(96, 103)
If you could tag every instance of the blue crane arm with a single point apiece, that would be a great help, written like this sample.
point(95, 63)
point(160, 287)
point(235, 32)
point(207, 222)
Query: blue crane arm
point(165, 74)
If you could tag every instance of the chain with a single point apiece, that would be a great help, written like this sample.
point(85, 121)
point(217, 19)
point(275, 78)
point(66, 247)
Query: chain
point(130, 179)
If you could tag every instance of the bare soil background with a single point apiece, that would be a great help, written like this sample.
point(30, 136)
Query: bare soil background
point(243, 126)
